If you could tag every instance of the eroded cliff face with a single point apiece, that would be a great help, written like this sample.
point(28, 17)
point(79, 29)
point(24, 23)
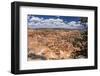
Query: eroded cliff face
point(56, 44)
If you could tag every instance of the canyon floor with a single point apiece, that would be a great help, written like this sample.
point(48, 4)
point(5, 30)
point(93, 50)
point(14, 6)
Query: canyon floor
point(56, 44)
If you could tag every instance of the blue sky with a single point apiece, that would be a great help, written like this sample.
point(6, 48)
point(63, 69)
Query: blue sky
point(46, 21)
point(64, 18)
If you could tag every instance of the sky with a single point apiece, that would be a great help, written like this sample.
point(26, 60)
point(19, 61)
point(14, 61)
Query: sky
point(46, 21)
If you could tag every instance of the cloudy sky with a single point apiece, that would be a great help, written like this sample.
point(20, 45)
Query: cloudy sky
point(44, 21)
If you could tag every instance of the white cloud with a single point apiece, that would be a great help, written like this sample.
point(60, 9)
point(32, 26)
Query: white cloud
point(36, 22)
point(73, 23)
point(35, 19)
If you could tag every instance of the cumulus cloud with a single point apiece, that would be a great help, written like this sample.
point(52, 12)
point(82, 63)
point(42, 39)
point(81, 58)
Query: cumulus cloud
point(73, 23)
point(37, 22)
